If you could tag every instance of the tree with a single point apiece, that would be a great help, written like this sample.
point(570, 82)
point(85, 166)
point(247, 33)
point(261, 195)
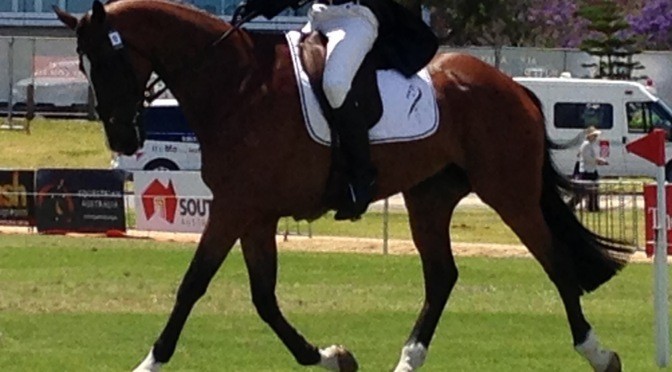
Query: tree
point(484, 22)
point(608, 41)
point(654, 24)
point(555, 24)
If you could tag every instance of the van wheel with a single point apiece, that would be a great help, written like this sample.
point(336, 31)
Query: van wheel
point(161, 165)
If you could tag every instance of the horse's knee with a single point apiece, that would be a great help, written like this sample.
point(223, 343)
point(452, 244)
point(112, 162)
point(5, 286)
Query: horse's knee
point(441, 281)
point(267, 307)
point(451, 275)
point(191, 291)
point(196, 280)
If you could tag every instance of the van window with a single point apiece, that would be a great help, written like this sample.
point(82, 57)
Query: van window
point(166, 123)
point(644, 116)
point(582, 115)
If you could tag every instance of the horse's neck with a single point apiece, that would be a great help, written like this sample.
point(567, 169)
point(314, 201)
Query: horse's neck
point(179, 44)
point(221, 94)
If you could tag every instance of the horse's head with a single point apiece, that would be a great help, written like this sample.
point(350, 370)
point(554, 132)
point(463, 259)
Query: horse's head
point(117, 73)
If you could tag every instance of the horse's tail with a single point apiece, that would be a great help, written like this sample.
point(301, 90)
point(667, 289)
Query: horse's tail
point(596, 258)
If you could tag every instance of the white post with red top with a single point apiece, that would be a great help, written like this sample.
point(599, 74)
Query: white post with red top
point(652, 148)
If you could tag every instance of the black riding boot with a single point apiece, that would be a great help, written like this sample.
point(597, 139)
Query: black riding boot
point(354, 143)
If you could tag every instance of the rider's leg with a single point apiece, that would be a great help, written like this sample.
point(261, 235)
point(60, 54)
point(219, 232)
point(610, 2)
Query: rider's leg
point(351, 31)
point(354, 143)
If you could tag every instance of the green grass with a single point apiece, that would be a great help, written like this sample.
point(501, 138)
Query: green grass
point(56, 144)
point(87, 304)
point(470, 224)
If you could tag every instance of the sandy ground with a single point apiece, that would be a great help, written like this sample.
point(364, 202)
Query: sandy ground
point(343, 244)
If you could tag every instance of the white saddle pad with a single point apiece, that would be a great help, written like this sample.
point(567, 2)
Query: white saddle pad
point(409, 107)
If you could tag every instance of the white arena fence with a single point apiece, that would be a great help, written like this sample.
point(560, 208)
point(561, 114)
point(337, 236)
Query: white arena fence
point(100, 201)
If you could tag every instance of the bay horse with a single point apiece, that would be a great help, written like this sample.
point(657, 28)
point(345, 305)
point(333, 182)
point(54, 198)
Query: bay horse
point(240, 98)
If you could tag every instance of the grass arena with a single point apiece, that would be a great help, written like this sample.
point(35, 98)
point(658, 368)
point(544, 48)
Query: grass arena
point(81, 303)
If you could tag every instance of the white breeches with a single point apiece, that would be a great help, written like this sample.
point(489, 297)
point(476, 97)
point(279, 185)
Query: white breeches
point(351, 30)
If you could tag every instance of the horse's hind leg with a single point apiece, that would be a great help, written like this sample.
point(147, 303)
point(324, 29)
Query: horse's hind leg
point(216, 242)
point(520, 207)
point(430, 207)
point(260, 252)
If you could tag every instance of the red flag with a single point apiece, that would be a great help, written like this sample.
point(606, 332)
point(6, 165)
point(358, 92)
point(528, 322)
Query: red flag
point(650, 147)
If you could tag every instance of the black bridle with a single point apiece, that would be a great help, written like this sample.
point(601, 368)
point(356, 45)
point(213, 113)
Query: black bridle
point(118, 64)
point(121, 58)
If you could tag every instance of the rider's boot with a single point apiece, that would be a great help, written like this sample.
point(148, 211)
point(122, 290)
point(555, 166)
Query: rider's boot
point(354, 142)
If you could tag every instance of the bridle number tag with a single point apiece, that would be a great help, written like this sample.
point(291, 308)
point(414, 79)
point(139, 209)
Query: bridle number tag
point(115, 39)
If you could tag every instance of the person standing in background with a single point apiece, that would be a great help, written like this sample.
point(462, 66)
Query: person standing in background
point(588, 163)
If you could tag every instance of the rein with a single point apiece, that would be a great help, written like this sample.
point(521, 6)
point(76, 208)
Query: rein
point(238, 19)
point(150, 95)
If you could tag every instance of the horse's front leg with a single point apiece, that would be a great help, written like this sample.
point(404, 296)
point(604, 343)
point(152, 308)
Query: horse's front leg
point(430, 208)
point(223, 228)
point(261, 256)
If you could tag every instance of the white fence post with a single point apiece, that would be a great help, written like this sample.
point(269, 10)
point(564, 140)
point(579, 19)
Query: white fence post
point(386, 218)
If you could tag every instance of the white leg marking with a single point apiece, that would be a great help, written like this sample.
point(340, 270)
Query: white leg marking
point(329, 358)
point(149, 364)
point(412, 357)
point(591, 350)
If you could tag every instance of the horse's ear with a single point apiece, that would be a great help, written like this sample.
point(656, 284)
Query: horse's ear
point(65, 17)
point(98, 12)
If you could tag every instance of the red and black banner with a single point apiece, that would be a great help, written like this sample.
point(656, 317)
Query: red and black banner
point(75, 200)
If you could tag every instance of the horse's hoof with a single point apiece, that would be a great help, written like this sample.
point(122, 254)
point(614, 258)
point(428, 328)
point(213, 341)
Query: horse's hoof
point(614, 364)
point(346, 361)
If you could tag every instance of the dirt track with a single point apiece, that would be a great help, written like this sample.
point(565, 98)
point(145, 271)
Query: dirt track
point(346, 244)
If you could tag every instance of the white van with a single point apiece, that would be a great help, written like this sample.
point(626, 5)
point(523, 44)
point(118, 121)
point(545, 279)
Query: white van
point(170, 144)
point(623, 110)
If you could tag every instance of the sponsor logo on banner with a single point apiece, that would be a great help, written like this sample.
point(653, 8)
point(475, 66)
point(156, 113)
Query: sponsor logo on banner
point(17, 202)
point(171, 201)
point(161, 200)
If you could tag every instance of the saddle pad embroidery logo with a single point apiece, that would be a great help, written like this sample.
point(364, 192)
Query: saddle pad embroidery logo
point(410, 111)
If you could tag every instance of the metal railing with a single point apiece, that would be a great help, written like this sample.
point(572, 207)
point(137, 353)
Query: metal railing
point(612, 208)
point(619, 212)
